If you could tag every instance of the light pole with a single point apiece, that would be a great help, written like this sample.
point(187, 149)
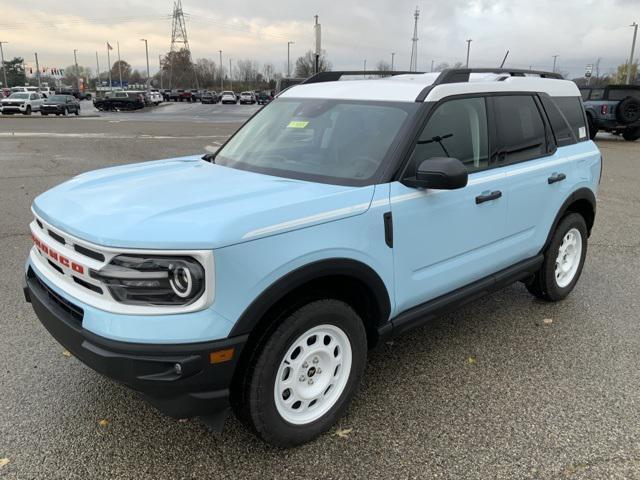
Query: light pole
point(146, 49)
point(75, 60)
point(230, 78)
point(393, 54)
point(633, 47)
point(160, 66)
point(4, 70)
point(37, 69)
point(555, 58)
point(221, 76)
point(289, 58)
point(468, 50)
point(98, 82)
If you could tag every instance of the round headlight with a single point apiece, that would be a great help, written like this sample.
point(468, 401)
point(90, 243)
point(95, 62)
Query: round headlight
point(181, 280)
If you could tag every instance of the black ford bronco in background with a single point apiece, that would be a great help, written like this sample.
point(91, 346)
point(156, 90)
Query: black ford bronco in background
point(614, 109)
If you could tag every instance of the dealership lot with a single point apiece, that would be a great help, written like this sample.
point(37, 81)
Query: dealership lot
point(508, 387)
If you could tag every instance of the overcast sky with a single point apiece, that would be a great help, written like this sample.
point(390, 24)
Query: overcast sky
point(578, 31)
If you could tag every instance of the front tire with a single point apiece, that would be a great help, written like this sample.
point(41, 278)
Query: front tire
point(28, 110)
point(631, 134)
point(303, 375)
point(563, 260)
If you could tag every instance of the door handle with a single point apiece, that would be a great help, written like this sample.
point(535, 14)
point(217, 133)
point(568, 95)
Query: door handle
point(488, 197)
point(556, 177)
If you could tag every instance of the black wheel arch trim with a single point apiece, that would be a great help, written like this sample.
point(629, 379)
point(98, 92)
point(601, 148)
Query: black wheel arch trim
point(312, 271)
point(583, 193)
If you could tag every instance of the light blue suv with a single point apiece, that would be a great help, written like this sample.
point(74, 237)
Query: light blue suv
point(341, 214)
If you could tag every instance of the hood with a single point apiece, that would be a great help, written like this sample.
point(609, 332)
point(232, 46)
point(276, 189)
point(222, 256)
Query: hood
point(188, 203)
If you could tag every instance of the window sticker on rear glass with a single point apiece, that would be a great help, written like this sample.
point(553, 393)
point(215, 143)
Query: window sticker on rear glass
point(297, 124)
point(582, 132)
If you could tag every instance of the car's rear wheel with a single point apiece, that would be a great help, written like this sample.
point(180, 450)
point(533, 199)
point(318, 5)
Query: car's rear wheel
point(631, 134)
point(563, 260)
point(28, 110)
point(628, 110)
point(65, 111)
point(302, 377)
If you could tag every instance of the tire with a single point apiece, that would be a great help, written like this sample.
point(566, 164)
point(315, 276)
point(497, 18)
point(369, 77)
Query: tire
point(28, 110)
point(593, 130)
point(553, 282)
point(44, 114)
point(277, 378)
point(631, 134)
point(77, 112)
point(628, 110)
point(65, 111)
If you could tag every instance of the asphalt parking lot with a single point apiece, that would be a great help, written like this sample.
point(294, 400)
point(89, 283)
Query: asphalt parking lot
point(509, 387)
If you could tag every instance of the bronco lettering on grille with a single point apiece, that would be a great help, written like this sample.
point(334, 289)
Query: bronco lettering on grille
point(58, 257)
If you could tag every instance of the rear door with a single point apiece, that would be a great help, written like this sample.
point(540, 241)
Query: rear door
point(445, 239)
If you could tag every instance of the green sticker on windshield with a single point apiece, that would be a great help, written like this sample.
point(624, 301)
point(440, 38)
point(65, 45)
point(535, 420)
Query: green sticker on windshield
point(294, 124)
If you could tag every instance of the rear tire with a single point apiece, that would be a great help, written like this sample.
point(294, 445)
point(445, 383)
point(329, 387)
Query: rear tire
point(563, 260)
point(28, 110)
point(631, 134)
point(302, 376)
point(628, 110)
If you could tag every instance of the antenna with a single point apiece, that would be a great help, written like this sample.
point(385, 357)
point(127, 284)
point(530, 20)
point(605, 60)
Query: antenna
point(179, 40)
point(413, 65)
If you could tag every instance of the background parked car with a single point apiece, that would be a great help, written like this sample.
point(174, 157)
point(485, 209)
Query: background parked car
point(209, 97)
point(247, 98)
point(614, 109)
point(156, 97)
point(263, 98)
point(119, 101)
point(60, 105)
point(196, 95)
point(228, 97)
point(21, 102)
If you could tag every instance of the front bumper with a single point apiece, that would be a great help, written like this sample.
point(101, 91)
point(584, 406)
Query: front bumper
point(13, 108)
point(201, 388)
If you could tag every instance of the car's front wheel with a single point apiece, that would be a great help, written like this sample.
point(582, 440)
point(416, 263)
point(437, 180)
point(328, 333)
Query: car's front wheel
point(28, 110)
point(563, 260)
point(631, 134)
point(302, 377)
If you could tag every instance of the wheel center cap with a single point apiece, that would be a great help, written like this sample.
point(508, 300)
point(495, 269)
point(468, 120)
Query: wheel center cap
point(311, 372)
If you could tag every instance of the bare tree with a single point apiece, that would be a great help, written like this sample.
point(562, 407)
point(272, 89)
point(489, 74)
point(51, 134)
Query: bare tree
point(305, 65)
point(383, 66)
point(268, 71)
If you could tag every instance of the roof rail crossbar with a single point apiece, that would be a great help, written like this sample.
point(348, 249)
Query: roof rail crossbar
point(336, 75)
point(461, 75)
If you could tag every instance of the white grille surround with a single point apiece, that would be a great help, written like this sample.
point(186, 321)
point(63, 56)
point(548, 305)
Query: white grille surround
point(81, 286)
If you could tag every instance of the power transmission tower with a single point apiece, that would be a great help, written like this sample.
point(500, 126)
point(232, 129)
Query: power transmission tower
point(413, 65)
point(179, 40)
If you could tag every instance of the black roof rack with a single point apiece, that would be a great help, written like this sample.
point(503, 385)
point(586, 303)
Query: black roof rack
point(335, 76)
point(461, 75)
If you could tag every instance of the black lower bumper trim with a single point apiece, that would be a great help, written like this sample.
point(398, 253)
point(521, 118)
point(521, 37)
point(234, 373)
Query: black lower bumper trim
point(199, 389)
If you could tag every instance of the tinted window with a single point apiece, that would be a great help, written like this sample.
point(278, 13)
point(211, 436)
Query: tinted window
point(622, 93)
point(597, 94)
point(561, 128)
point(521, 134)
point(571, 107)
point(335, 141)
point(34, 96)
point(457, 129)
point(585, 93)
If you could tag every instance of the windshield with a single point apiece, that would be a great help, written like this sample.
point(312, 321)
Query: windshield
point(622, 93)
point(331, 141)
point(19, 95)
point(58, 98)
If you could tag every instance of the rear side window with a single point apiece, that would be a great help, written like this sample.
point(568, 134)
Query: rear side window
point(571, 108)
point(521, 133)
point(561, 128)
point(597, 94)
point(585, 93)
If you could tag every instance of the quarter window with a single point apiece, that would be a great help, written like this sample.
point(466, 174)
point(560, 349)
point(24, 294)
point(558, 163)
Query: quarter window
point(561, 128)
point(521, 134)
point(571, 107)
point(457, 129)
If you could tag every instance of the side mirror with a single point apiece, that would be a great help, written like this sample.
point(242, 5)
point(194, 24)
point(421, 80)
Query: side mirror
point(443, 173)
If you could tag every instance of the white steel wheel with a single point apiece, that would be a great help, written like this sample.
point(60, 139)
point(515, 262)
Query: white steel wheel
point(313, 374)
point(569, 257)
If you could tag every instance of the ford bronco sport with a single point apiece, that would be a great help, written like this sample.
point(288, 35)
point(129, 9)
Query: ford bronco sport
point(614, 109)
point(342, 213)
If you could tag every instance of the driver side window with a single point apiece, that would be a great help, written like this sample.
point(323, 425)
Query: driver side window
point(457, 129)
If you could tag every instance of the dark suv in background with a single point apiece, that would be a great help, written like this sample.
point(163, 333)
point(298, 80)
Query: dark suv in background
point(614, 109)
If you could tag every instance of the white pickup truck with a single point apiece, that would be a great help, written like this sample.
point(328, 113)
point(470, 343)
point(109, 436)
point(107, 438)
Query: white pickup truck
point(21, 102)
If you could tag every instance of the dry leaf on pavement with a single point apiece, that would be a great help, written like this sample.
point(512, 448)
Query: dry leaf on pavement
point(343, 432)
point(3, 462)
point(471, 360)
point(547, 321)
point(66, 353)
point(103, 422)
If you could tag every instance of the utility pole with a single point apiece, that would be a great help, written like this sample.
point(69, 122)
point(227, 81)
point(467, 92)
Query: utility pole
point(97, 71)
point(221, 76)
point(393, 54)
point(109, 47)
point(160, 65)
point(364, 70)
point(37, 69)
point(146, 49)
point(432, 61)
point(555, 58)
point(318, 45)
point(413, 64)
point(75, 60)
point(289, 59)
point(119, 64)
point(633, 47)
point(230, 79)
point(468, 50)
point(4, 70)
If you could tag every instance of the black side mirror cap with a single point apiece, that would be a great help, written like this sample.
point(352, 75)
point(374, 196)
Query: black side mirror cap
point(442, 173)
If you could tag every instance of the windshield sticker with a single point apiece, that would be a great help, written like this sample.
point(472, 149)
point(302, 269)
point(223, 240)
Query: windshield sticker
point(297, 124)
point(582, 132)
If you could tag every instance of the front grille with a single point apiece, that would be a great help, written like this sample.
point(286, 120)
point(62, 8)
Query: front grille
point(56, 237)
point(89, 253)
point(76, 312)
point(88, 285)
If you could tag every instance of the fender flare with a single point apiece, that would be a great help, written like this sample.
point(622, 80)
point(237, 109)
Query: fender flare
point(312, 271)
point(583, 193)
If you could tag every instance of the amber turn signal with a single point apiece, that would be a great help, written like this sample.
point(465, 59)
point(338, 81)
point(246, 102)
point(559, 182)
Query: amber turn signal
point(221, 356)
